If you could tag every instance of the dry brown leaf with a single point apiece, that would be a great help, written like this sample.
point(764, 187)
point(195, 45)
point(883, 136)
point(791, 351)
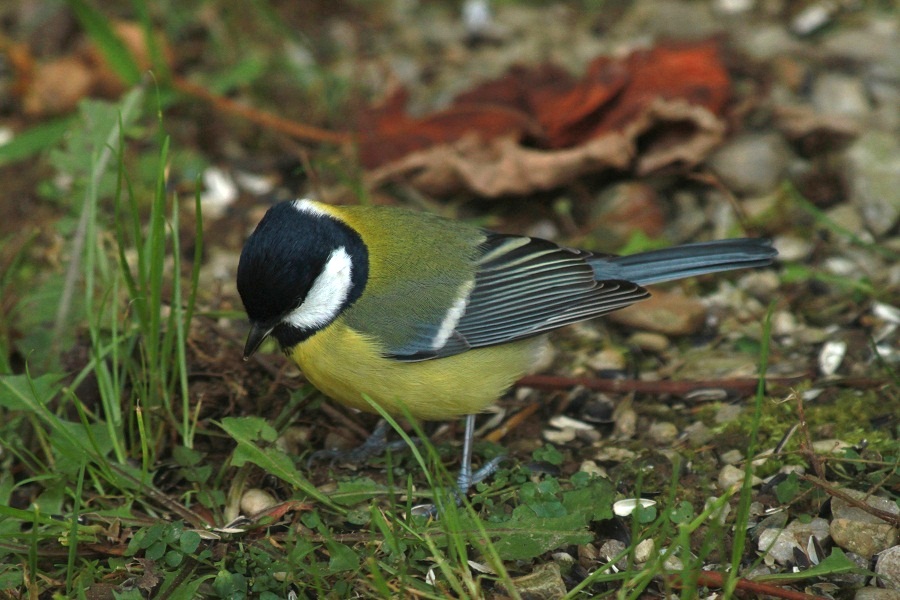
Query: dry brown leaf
point(502, 166)
point(539, 128)
point(55, 87)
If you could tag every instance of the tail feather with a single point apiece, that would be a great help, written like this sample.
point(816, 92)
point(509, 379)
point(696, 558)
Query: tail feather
point(685, 261)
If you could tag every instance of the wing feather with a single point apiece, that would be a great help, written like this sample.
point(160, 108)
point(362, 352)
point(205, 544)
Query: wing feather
point(524, 287)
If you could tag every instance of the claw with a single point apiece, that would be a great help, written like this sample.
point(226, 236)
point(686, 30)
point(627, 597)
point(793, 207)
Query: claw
point(375, 445)
point(466, 478)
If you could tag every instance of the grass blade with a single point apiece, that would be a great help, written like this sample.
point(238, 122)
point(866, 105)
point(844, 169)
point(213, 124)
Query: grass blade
point(108, 42)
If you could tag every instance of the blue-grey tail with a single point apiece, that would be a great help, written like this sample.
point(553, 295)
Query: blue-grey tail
point(685, 261)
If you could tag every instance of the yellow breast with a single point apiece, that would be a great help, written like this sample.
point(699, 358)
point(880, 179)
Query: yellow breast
point(345, 365)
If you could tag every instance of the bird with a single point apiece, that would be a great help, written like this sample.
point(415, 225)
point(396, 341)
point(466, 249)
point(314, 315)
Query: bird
point(429, 316)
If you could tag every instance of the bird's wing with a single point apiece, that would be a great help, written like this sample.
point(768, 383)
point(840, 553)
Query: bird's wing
point(523, 287)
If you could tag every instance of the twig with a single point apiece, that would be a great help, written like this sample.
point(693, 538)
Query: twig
point(296, 130)
point(714, 579)
point(680, 388)
point(806, 442)
point(884, 515)
point(345, 420)
point(195, 520)
point(514, 421)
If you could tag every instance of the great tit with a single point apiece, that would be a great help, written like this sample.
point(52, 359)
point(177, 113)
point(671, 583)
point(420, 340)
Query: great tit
point(439, 317)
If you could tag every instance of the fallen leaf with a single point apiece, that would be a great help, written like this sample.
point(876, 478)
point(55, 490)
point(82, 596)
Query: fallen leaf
point(539, 128)
point(55, 87)
point(502, 166)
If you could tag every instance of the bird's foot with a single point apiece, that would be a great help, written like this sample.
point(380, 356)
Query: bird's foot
point(467, 478)
point(375, 445)
point(464, 483)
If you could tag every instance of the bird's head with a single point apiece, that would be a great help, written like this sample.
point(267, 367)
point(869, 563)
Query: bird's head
point(298, 271)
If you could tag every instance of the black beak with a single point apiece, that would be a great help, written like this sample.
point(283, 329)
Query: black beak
point(258, 334)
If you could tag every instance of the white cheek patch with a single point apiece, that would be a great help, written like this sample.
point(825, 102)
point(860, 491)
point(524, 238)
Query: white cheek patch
point(451, 319)
point(326, 296)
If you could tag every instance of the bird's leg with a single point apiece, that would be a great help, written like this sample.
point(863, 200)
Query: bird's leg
point(464, 480)
point(467, 478)
point(375, 445)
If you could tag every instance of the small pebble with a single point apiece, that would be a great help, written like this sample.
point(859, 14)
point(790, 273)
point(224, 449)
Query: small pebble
point(663, 433)
point(813, 17)
point(791, 248)
point(673, 563)
point(544, 229)
point(761, 283)
point(856, 530)
point(608, 359)
point(611, 549)
point(779, 544)
point(614, 454)
point(698, 434)
point(559, 436)
point(728, 413)
point(649, 342)
point(644, 550)
point(788, 469)
point(886, 312)
point(562, 422)
point(784, 323)
point(625, 419)
point(254, 183)
point(588, 555)
point(664, 312)
point(294, 440)
point(730, 476)
point(592, 468)
point(887, 567)
point(752, 164)
point(255, 500)
point(721, 515)
point(733, 7)
point(731, 457)
point(838, 94)
point(840, 265)
point(564, 559)
point(873, 167)
point(846, 216)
